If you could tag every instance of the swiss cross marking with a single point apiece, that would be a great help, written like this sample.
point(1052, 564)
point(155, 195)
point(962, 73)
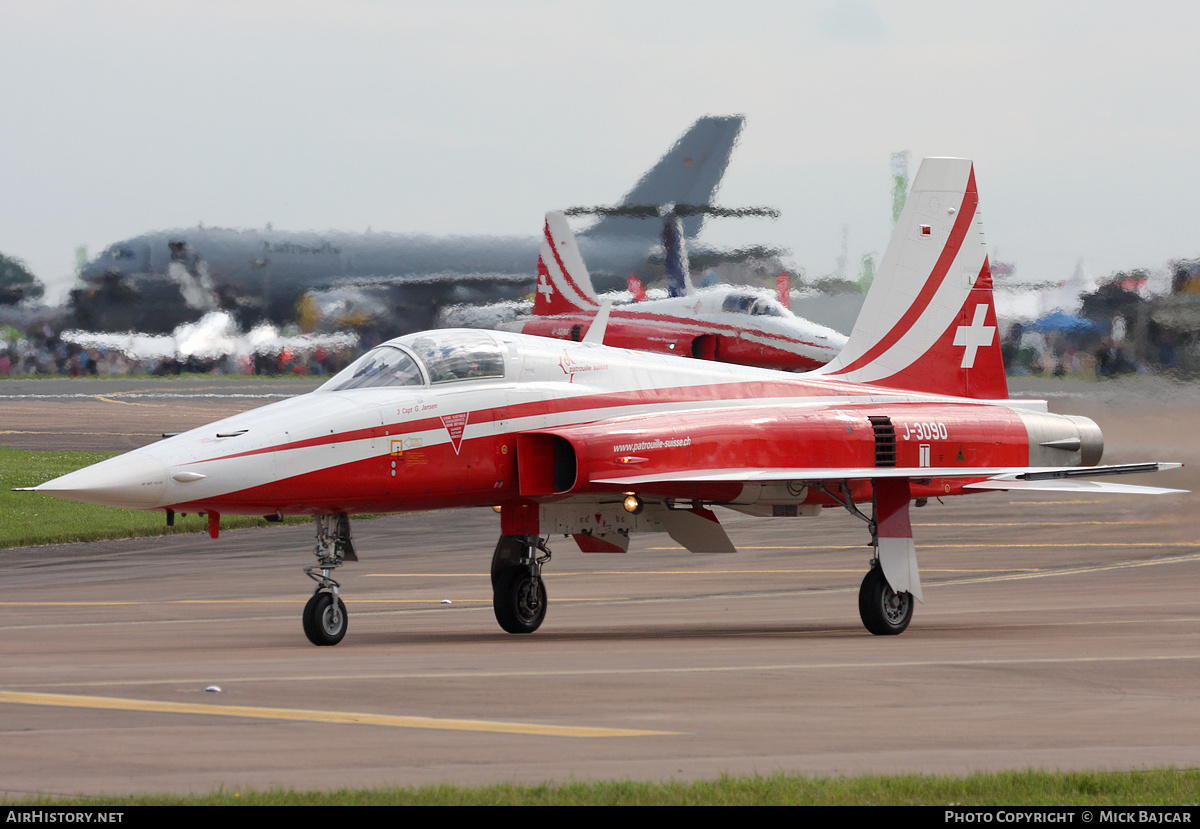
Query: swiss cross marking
point(974, 336)
point(544, 286)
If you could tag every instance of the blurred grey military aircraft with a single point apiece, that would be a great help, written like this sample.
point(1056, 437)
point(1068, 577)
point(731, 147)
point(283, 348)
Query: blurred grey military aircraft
point(158, 280)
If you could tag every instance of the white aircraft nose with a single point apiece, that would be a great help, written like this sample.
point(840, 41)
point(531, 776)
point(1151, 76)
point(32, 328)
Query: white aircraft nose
point(133, 480)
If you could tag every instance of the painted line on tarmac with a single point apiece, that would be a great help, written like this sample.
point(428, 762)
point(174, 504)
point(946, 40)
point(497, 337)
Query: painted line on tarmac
point(556, 575)
point(980, 545)
point(290, 602)
point(302, 715)
point(104, 399)
point(867, 664)
point(1035, 523)
point(976, 577)
point(59, 433)
point(152, 395)
point(1081, 569)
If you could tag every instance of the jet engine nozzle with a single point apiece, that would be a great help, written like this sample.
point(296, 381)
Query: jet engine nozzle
point(1062, 440)
point(1090, 439)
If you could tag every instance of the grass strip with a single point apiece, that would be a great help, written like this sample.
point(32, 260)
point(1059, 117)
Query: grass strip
point(1154, 787)
point(29, 519)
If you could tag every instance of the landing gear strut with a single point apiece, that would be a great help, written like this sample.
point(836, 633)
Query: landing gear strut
point(518, 592)
point(325, 615)
point(884, 610)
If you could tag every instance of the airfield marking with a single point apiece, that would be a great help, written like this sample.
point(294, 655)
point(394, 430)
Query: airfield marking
point(302, 715)
point(1048, 503)
point(1033, 523)
point(104, 399)
point(72, 700)
point(164, 602)
point(997, 574)
point(55, 433)
point(153, 395)
point(988, 545)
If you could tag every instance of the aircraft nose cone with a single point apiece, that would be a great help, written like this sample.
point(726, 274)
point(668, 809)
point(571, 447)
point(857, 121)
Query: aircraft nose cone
point(133, 480)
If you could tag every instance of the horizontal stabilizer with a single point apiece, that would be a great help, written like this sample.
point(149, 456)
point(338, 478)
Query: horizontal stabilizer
point(1088, 471)
point(1066, 485)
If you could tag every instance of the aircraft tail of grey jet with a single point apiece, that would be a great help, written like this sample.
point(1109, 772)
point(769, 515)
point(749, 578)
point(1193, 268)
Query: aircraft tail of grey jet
point(689, 173)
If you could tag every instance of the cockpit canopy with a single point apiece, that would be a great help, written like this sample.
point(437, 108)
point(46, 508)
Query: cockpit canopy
point(431, 357)
point(756, 306)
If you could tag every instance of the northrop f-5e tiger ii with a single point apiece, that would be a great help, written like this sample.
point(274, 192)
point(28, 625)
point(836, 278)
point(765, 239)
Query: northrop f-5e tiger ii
point(598, 443)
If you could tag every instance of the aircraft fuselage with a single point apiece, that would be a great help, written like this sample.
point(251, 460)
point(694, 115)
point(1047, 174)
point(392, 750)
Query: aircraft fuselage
point(553, 423)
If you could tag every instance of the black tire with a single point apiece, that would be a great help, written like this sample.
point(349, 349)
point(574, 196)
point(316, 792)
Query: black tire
point(323, 623)
point(883, 611)
point(519, 600)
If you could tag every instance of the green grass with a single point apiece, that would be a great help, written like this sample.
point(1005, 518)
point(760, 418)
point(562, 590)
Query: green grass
point(1157, 787)
point(31, 518)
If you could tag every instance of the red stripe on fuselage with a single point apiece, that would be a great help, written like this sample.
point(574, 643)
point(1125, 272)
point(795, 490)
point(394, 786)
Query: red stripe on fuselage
point(733, 391)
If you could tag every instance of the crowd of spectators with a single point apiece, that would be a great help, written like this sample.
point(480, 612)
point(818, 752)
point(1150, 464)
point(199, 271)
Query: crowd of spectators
point(43, 351)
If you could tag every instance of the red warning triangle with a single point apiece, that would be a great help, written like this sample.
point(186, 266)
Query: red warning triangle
point(455, 424)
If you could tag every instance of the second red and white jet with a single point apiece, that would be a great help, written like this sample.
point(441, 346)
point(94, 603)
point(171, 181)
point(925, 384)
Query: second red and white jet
point(725, 323)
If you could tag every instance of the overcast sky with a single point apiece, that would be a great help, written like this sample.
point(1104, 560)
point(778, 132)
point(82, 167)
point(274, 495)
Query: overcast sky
point(123, 116)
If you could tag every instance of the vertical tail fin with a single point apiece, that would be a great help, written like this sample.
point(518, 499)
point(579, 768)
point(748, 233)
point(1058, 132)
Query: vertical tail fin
point(929, 322)
point(679, 277)
point(564, 285)
point(689, 173)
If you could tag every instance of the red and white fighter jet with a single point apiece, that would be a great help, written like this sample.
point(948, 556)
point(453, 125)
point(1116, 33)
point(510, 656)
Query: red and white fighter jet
point(726, 323)
point(597, 442)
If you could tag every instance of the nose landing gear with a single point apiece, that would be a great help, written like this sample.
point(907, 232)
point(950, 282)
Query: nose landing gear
point(325, 617)
point(518, 592)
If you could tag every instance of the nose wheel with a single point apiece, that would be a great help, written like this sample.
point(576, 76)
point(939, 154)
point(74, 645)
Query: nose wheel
point(324, 619)
point(519, 599)
point(518, 592)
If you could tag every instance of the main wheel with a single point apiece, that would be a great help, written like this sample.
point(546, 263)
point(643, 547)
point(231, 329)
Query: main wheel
point(883, 611)
point(324, 623)
point(519, 600)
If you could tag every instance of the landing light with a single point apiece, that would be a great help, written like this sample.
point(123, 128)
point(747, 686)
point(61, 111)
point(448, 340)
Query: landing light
point(632, 504)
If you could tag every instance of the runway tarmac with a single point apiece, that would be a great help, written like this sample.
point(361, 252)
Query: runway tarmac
point(1058, 632)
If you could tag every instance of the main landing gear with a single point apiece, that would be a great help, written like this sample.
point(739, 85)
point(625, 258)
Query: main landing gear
point(883, 611)
point(518, 592)
point(325, 615)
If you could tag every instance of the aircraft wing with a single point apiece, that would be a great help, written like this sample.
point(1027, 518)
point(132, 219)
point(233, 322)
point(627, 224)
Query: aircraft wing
point(437, 278)
point(1057, 479)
